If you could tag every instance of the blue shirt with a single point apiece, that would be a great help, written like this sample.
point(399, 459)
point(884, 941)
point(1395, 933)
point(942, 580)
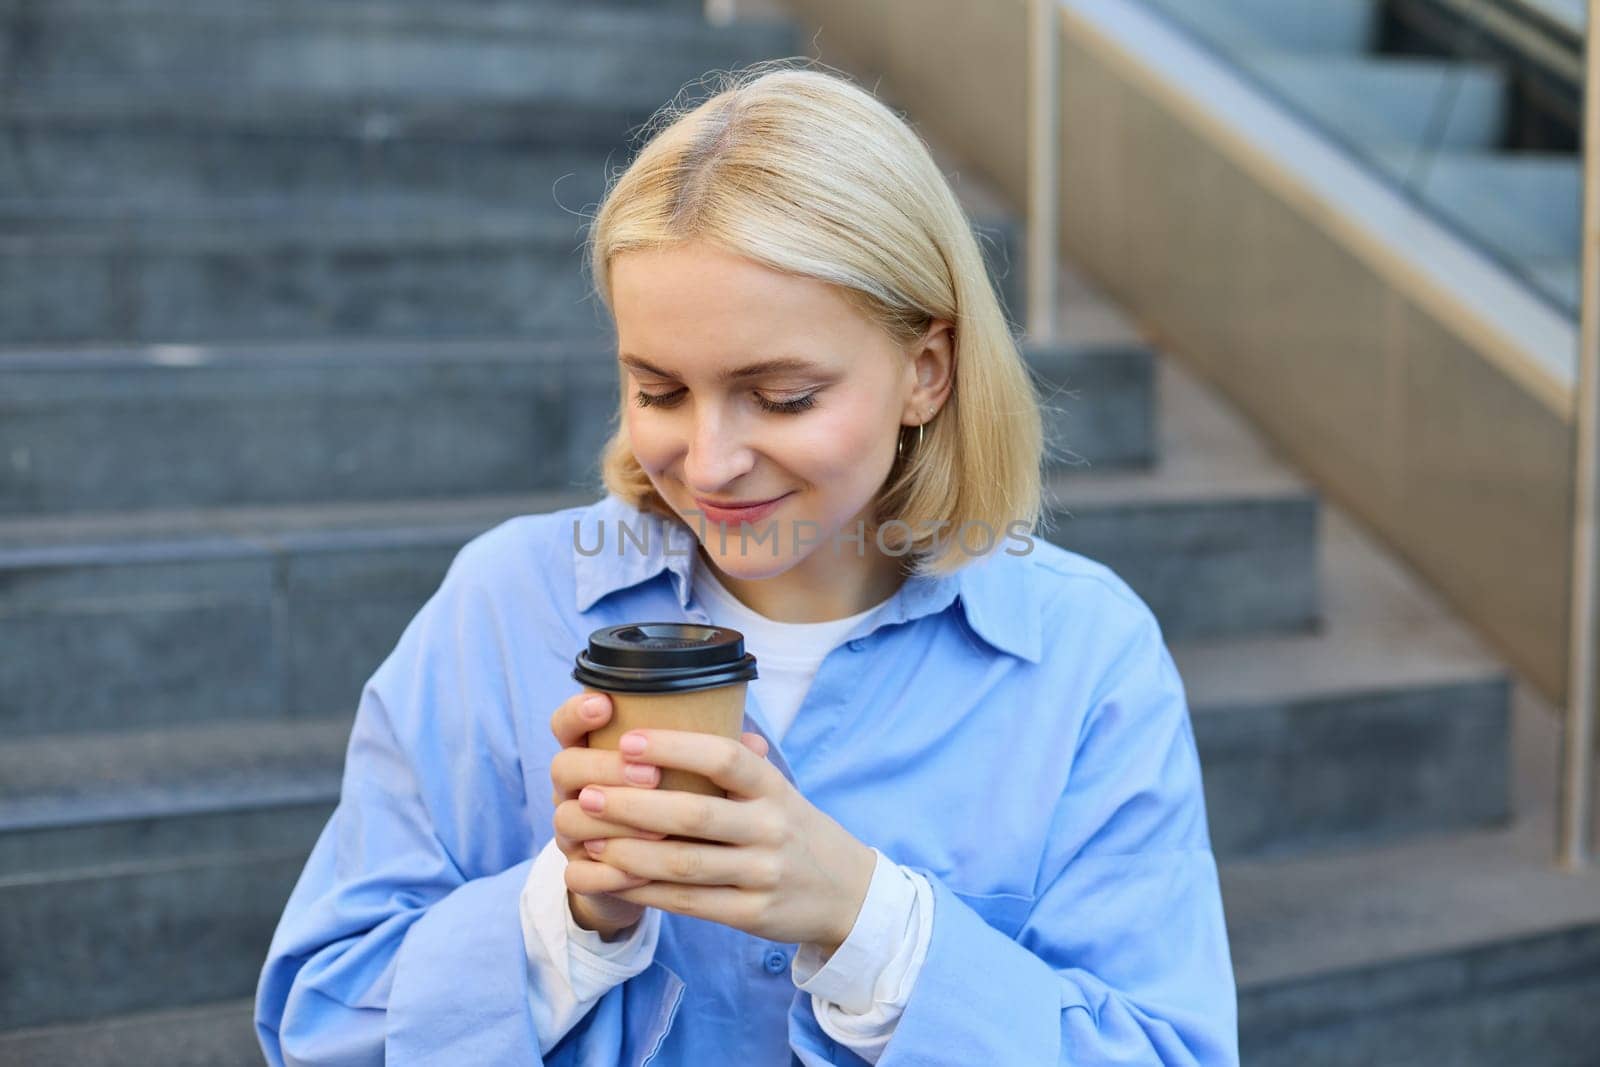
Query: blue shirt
point(1015, 732)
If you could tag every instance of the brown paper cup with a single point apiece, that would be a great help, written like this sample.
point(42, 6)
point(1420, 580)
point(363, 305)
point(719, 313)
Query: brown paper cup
point(717, 711)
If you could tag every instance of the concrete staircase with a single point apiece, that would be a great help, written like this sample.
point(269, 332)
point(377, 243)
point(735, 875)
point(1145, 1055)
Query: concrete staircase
point(1438, 126)
point(293, 305)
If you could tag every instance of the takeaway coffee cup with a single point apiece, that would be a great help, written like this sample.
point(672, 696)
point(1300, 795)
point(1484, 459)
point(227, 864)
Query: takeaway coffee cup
point(669, 676)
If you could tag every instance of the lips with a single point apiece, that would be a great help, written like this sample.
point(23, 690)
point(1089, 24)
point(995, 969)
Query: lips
point(735, 506)
point(741, 513)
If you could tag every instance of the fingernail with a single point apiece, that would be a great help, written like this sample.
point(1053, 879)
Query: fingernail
point(632, 744)
point(595, 847)
point(594, 707)
point(591, 799)
point(639, 772)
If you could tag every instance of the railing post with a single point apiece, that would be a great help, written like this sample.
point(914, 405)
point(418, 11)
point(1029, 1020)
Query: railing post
point(1578, 740)
point(1044, 153)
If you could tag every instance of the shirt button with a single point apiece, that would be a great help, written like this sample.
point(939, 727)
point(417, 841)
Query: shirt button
point(775, 962)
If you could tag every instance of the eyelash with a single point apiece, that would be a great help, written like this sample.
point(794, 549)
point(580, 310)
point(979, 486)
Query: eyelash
point(785, 407)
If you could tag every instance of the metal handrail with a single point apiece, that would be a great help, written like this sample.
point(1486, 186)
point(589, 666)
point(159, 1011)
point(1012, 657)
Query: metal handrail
point(1578, 741)
point(1540, 17)
point(1044, 154)
point(1527, 28)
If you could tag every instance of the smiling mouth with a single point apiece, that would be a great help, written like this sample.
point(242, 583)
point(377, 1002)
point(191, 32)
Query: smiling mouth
point(738, 507)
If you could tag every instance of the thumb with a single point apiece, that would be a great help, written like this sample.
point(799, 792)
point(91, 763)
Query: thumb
point(755, 743)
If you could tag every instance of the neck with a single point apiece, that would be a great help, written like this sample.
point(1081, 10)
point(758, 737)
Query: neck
point(820, 588)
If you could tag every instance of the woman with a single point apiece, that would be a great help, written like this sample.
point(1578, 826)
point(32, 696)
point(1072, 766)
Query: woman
point(965, 823)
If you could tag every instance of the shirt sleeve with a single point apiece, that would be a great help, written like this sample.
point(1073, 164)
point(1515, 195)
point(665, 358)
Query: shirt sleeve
point(402, 940)
point(858, 994)
point(571, 968)
point(1122, 957)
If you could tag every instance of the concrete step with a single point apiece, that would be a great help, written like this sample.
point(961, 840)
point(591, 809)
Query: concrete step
point(1391, 719)
point(205, 426)
point(1199, 535)
point(280, 268)
point(123, 797)
point(192, 931)
point(1383, 102)
point(243, 47)
point(126, 620)
point(220, 1034)
point(1319, 27)
point(181, 148)
point(1467, 949)
point(200, 426)
point(335, 269)
point(167, 854)
point(162, 795)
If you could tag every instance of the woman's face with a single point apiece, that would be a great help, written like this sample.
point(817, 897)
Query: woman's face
point(819, 433)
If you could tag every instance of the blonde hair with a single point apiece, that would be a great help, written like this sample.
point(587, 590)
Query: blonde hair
point(806, 173)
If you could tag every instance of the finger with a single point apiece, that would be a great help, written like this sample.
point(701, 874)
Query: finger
point(678, 814)
point(573, 768)
point(756, 743)
point(590, 876)
point(572, 848)
point(576, 853)
point(578, 826)
point(573, 719)
point(728, 763)
point(725, 904)
point(690, 863)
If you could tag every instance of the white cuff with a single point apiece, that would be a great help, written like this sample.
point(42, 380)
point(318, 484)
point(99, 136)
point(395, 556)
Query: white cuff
point(570, 968)
point(860, 992)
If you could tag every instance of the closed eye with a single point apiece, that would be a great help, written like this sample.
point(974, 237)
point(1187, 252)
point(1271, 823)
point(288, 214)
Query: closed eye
point(776, 407)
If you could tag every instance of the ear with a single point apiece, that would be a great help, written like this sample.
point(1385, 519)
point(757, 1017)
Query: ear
point(933, 361)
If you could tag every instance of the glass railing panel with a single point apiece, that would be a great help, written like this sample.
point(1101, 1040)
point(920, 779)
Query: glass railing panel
point(1447, 113)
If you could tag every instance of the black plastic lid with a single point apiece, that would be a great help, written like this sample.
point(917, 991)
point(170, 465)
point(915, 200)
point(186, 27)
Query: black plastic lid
point(663, 657)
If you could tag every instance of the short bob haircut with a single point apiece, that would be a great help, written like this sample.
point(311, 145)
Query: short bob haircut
point(806, 173)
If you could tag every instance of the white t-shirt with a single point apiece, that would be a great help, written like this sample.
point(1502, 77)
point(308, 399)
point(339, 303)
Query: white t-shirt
point(787, 653)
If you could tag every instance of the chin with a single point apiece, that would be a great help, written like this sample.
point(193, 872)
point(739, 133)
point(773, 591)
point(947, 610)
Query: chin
point(755, 566)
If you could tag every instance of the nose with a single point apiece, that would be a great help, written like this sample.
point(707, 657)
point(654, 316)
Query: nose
point(717, 454)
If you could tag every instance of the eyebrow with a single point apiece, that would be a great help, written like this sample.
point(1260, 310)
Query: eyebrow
point(781, 365)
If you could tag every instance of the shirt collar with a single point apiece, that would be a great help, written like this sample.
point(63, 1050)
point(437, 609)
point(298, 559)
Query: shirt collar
point(997, 599)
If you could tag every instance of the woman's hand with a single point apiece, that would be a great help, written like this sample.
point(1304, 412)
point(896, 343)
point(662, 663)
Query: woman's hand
point(592, 886)
point(764, 860)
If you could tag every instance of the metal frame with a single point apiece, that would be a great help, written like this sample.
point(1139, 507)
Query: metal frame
point(1578, 743)
point(1044, 147)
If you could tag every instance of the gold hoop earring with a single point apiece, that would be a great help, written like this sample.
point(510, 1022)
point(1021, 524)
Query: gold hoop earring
point(899, 445)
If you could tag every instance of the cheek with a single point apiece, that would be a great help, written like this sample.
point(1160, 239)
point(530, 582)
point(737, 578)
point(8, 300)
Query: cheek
point(852, 437)
point(851, 443)
point(647, 439)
